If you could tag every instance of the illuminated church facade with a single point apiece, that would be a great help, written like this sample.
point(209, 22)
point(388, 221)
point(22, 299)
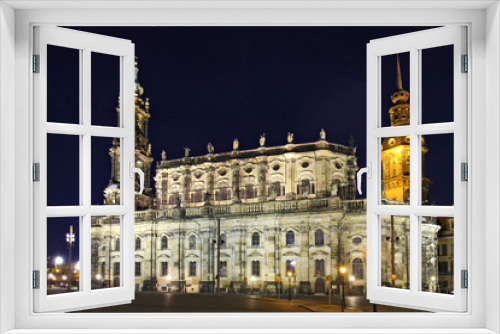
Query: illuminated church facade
point(289, 208)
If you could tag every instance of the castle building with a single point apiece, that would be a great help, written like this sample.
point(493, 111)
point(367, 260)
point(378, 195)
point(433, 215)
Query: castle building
point(289, 208)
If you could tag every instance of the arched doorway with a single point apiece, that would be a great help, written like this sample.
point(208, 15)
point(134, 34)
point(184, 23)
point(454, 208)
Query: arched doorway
point(319, 286)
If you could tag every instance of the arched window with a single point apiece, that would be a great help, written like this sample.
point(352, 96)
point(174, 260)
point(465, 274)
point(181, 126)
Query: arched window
point(223, 241)
point(357, 268)
point(255, 239)
point(290, 238)
point(137, 243)
point(319, 238)
point(320, 267)
point(192, 242)
point(164, 242)
point(117, 244)
point(290, 266)
point(255, 268)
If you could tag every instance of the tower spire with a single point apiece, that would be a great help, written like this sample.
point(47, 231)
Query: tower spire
point(399, 80)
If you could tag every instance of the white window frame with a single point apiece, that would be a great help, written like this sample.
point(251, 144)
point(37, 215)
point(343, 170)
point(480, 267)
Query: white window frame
point(84, 44)
point(483, 19)
point(414, 43)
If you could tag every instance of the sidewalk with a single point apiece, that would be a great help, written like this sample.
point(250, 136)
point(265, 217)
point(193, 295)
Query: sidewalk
point(319, 304)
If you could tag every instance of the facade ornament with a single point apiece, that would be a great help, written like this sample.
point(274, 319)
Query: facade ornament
point(236, 144)
point(163, 156)
point(289, 138)
point(210, 148)
point(148, 153)
point(262, 140)
point(322, 134)
point(186, 151)
point(335, 187)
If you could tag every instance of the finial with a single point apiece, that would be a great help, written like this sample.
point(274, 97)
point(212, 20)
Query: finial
point(163, 156)
point(236, 144)
point(138, 88)
point(322, 134)
point(289, 138)
point(186, 151)
point(399, 83)
point(210, 148)
point(351, 141)
point(262, 140)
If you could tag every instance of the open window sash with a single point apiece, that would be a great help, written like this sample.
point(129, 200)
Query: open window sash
point(84, 296)
point(416, 294)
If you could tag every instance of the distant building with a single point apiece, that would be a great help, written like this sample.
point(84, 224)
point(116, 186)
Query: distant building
point(282, 208)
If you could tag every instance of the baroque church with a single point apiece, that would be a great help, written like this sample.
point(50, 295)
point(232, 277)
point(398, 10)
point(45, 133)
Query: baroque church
point(286, 212)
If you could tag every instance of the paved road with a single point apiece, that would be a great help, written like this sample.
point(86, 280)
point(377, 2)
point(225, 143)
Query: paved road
point(186, 302)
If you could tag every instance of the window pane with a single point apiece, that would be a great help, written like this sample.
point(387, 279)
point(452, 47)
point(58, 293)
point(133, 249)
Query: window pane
point(105, 89)
point(63, 85)
point(395, 252)
point(105, 255)
point(437, 254)
point(105, 158)
point(437, 170)
point(395, 81)
point(63, 255)
point(395, 170)
point(63, 170)
point(437, 84)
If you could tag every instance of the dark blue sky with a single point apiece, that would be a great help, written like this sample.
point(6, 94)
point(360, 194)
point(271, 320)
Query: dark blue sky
point(212, 84)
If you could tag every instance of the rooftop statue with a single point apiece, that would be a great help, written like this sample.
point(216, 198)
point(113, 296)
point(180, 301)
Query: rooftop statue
point(289, 138)
point(210, 148)
point(186, 151)
point(262, 140)
point(236, 144)
point(322, 134)
point(163, 156)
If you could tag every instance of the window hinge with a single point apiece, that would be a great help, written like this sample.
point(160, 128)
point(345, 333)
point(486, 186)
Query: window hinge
point(36, 63)
point(465, 64)
point(36, 279)
point(464, 279)
point(36, 172)
point(464, 172)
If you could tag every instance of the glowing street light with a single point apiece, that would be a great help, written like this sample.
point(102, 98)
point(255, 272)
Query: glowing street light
point(59, 260)
point(289, 274)
point(343, 271)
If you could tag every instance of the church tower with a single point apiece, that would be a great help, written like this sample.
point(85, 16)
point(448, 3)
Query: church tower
point(396, 151)
point(143, 159)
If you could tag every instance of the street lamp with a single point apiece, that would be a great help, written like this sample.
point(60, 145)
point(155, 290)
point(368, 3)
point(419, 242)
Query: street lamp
point(253, 280)
point(289, 274)
point(343, 271)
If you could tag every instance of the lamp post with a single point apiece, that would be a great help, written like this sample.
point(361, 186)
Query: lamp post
point(70, 243)
point(289, 274)
point(343, 271)
point(251, 287)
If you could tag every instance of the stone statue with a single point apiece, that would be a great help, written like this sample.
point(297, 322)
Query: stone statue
point(262, 140)
point(322, 134)
point(289, 138)
point(272, 192)
point(236, 144)
point(163, 156)
point(206, 200)
point(210, 148)
point(186, 151)
point(335, 187)
point(351, 141)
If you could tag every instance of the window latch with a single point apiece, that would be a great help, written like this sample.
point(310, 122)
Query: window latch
point(133, 170)
point(36, 279)
point(464, 279)
point(368, 171)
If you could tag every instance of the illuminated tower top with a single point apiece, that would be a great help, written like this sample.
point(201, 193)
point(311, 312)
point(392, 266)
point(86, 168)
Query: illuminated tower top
point(396, 151)
point(400, 112)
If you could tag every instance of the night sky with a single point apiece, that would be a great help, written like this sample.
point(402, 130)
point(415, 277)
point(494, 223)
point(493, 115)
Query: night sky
point(213, 84)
